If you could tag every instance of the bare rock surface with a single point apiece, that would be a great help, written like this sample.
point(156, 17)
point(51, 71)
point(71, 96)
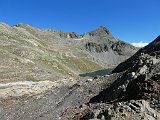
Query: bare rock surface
point(52, 103)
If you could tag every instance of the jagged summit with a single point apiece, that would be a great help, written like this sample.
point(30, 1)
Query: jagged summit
point(100, 31)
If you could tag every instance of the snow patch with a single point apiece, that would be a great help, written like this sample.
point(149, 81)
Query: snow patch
point(79, 39)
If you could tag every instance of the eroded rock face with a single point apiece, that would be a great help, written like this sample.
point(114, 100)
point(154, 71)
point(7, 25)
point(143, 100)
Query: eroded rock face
point(148, 55)
point(107, 49)
point(140, 78)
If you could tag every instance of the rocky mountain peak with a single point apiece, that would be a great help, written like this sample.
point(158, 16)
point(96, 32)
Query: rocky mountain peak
point(100, 31)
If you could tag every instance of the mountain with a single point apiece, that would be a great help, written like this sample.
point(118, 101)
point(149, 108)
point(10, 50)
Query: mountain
point(108, 49)
point(131, 92)
point(29, 53)
point(43, 72)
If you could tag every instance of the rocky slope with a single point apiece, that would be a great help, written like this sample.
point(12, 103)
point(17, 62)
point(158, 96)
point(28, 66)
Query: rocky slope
point(106, 48)
point(28, 53)
point(141, 72)
point(51, 104)
point(133, 95)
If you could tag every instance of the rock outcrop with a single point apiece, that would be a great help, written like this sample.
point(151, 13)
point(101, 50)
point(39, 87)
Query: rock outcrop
point(109, 50)
point(140, 77)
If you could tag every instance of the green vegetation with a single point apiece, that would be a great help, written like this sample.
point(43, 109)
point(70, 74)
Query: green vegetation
point(43, 53)
point(30, 78)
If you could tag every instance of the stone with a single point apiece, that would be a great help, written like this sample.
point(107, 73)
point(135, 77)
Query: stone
point(87, 116)
point(143, 70)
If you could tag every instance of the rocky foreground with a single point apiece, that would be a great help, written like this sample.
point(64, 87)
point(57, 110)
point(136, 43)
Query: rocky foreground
point(50, 104)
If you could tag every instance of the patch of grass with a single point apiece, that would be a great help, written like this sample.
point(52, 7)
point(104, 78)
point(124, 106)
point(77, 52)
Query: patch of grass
point(80, 64)
point(31, 78)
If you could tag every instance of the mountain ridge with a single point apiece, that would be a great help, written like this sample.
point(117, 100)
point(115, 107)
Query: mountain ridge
point(61, 53)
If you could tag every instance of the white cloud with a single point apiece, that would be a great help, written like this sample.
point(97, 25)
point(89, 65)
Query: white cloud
point(139, 44)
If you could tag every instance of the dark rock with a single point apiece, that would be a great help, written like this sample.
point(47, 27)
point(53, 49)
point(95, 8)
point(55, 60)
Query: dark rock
point(140, 77)
point(87, 116)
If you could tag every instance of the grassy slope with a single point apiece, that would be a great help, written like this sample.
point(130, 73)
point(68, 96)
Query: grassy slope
point(27, 53)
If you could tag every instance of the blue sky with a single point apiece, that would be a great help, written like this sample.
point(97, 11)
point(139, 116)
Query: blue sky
point(128, 20)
